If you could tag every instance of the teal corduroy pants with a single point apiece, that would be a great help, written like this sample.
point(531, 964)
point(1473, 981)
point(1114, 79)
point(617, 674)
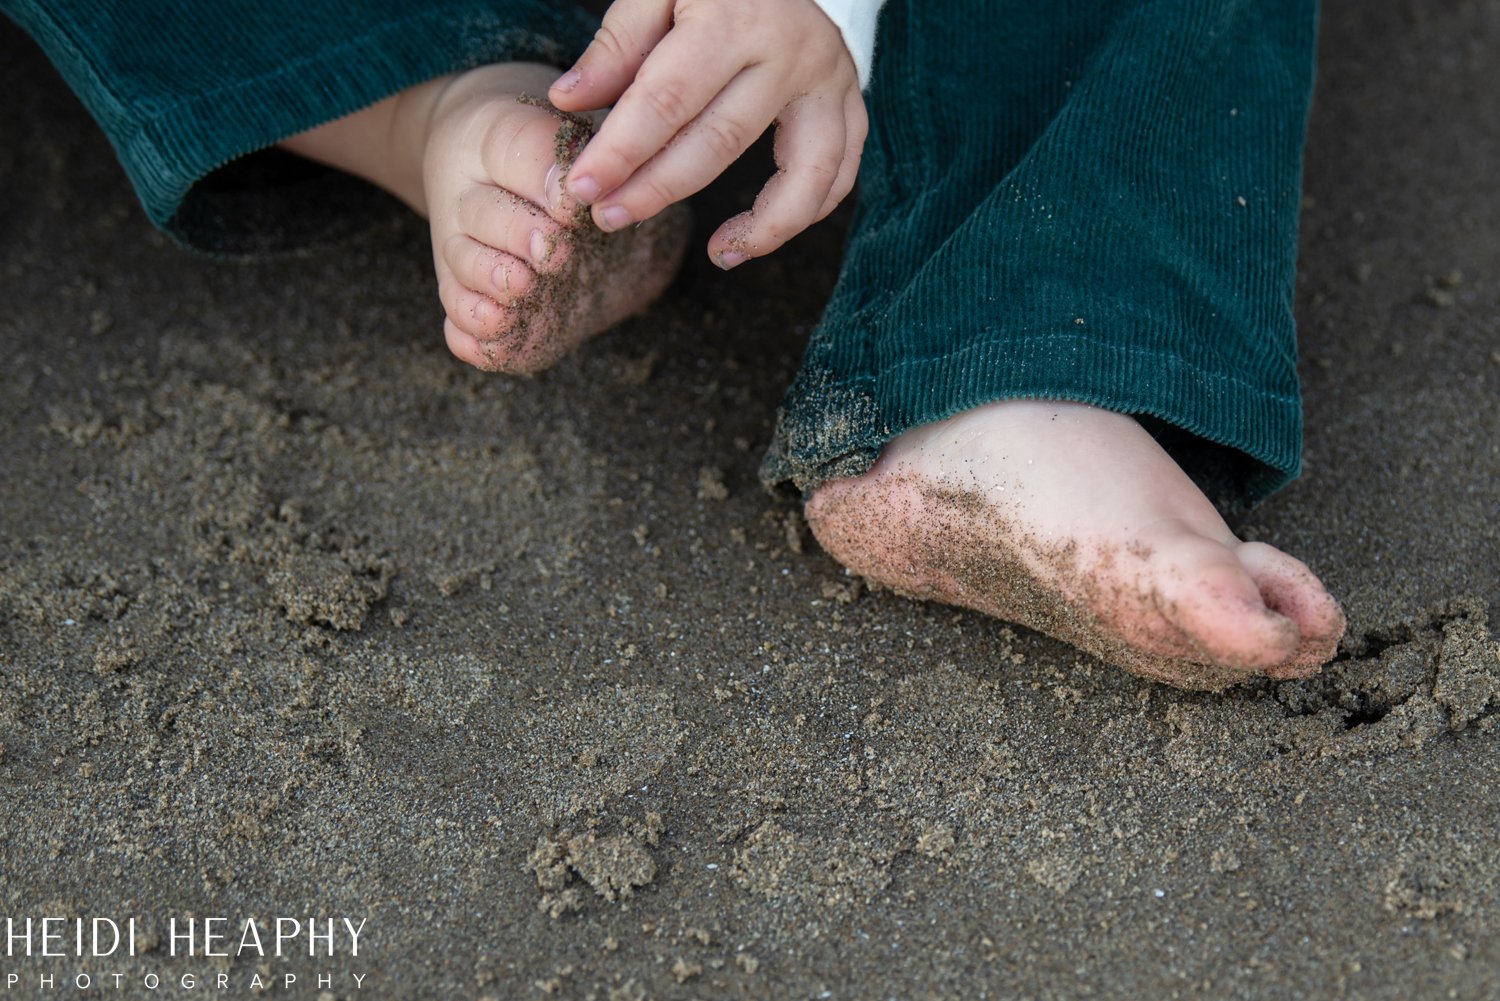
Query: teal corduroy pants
point(186, 90)
point(1090, 200)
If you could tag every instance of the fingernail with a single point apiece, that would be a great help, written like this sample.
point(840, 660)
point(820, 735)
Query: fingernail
point(615, 217)
point(585, 189)
point(539, 248)
point(731, 259)
point(566, 82)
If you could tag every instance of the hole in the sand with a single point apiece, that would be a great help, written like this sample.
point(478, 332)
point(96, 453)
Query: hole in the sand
point(1373, 644)
point(1365, 715)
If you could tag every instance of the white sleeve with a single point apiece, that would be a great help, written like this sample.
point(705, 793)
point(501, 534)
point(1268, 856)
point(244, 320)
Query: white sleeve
point(856, 20)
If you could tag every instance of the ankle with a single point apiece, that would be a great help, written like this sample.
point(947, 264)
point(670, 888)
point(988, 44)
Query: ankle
point(383, 143)
point(407, 130)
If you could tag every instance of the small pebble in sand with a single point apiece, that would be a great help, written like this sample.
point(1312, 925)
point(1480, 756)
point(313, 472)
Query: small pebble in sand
point(711, 484)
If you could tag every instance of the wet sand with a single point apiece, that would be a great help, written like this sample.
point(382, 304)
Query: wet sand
point(298, 618)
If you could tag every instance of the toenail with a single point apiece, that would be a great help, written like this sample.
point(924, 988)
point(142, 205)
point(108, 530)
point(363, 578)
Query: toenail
point(539, 247)
point(615, 217)
point(552, 189)
point(584, 188)
point(731, 259)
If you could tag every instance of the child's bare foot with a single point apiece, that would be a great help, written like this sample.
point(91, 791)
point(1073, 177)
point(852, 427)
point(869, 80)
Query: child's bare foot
point(523, 276)
point(1073, 521)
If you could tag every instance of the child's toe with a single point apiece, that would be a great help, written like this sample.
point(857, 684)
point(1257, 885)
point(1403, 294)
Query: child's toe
point(1289, 587)
point(1218, 606)
point(520, 154)
point(505, 221)
point(490, 272)
point(477, 315)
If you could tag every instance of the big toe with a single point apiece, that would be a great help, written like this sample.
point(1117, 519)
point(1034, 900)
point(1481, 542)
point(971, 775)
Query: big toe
point(527, 150)
point(1215, 602)
point(1291, 589)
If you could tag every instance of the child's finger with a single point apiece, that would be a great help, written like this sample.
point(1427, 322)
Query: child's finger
point(810, 150)
point(699, 153)
point(677, 82)
point(856, 130)
point(631, 29)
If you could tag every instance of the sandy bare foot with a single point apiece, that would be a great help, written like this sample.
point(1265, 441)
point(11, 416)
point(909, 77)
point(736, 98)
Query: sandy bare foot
point(523, 276)
point(1072, 520)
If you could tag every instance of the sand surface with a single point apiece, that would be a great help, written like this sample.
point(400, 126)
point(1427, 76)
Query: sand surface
point(298, 617)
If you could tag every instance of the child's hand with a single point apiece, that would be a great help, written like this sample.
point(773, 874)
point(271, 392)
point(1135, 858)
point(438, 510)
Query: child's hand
point(694, 83)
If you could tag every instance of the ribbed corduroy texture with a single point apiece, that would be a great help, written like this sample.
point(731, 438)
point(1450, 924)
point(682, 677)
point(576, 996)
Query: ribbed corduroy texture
point(1091, 200)
point(183, 87)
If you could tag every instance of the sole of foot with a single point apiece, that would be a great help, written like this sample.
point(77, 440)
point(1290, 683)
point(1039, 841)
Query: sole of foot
point(1073, 521)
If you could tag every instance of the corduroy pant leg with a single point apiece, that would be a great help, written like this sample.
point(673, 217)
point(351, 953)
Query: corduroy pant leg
point(185, 87)
point(1091, 200)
